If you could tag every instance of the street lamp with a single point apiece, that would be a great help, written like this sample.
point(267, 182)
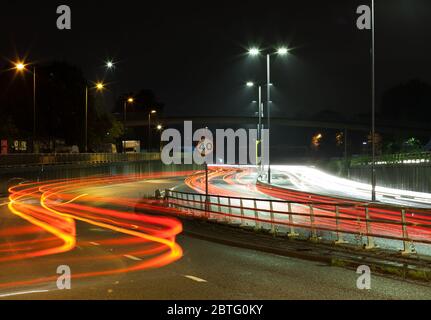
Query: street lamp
point(282, 51)
point(149, 128)
point(99, 87)
point(259, 126)
point(373, 108)
point(109, 64)
point(254, 51)
point(20, 66)
point(129, 100)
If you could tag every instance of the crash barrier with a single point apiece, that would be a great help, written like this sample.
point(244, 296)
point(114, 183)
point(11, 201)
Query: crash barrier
point(343, 222)
point(394, 159)
point(10, 160)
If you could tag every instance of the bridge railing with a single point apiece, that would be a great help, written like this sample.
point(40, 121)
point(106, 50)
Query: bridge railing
point(11, 160)
point(401, 158)
point(342, 222)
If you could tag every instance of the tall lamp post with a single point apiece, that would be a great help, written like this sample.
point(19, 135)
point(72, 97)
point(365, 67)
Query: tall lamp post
point(259, 126)
point(373, 107)
point(21, 67)
point(126, 101)
point(283, 51)
point(149, 128)
point(99, 87)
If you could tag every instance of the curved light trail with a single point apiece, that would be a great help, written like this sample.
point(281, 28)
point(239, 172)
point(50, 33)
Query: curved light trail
point(52, 209)
point(386, 219)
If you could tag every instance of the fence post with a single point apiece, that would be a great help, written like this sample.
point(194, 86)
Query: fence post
point(228, 218)
point(257, 225)
point(218, 208)
point(271, 208)
point(314, 237)
point(370, 239)
point(340, 239)
point(407, 244)
point(242, 212)
point(292, 233)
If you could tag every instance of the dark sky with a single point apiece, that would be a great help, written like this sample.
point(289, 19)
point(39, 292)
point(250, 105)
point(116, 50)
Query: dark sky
point(191, 53)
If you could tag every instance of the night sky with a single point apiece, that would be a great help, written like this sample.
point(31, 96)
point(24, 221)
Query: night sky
point(192, 53)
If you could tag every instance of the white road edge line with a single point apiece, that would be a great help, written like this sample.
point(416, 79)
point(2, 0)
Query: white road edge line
point(195, 279)
point(21, 293)
point(132, 257)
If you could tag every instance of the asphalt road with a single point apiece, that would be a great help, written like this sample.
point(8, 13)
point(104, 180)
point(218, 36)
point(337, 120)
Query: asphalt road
point(207, 270)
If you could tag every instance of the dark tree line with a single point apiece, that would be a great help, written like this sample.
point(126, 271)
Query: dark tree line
point(60, 106)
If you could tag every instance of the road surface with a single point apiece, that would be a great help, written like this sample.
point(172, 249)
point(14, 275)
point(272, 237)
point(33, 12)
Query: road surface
point(195, 269)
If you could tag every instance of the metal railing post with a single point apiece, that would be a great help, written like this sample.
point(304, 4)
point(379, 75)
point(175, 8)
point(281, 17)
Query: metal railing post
point(370, 239)
point(228, 218)
point(271, 208)
point(406, 243)
point(257, 225)
point(242, 212)
point(292, 233)
point(313, 226)
point(340, 239)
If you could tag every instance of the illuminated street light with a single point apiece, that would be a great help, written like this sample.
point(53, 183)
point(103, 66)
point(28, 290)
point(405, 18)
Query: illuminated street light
point(254, 51)
point(127, 100)
point(99, 87)
point(159, 127)
point(259, 125)
point(282, 51)
point(109, 64)
point(21, 67)
point(149, 128)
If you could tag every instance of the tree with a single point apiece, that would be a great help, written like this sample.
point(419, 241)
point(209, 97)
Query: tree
point(60, 106)
point(145, 100)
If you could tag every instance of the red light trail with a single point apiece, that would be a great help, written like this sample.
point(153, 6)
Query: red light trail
point(51, 210)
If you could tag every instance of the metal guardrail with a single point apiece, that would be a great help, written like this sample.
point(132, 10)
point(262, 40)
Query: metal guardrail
point(11, 160)
point(402, 158)
point(343, 222)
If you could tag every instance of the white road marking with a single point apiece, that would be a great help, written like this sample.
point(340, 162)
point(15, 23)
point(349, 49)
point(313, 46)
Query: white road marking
point(21, 293)
point(195, 279)
point(132, 257)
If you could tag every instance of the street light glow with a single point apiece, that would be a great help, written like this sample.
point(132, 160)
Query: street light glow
point(153, 111)
point(283, 51)
point(159, 127)
point(130, 100)
point(109, 64)
point(100, 86)
point(250, 84)
point(254, 51)
point(19, 66)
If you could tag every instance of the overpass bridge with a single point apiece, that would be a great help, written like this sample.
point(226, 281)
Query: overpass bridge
point(141, 120)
